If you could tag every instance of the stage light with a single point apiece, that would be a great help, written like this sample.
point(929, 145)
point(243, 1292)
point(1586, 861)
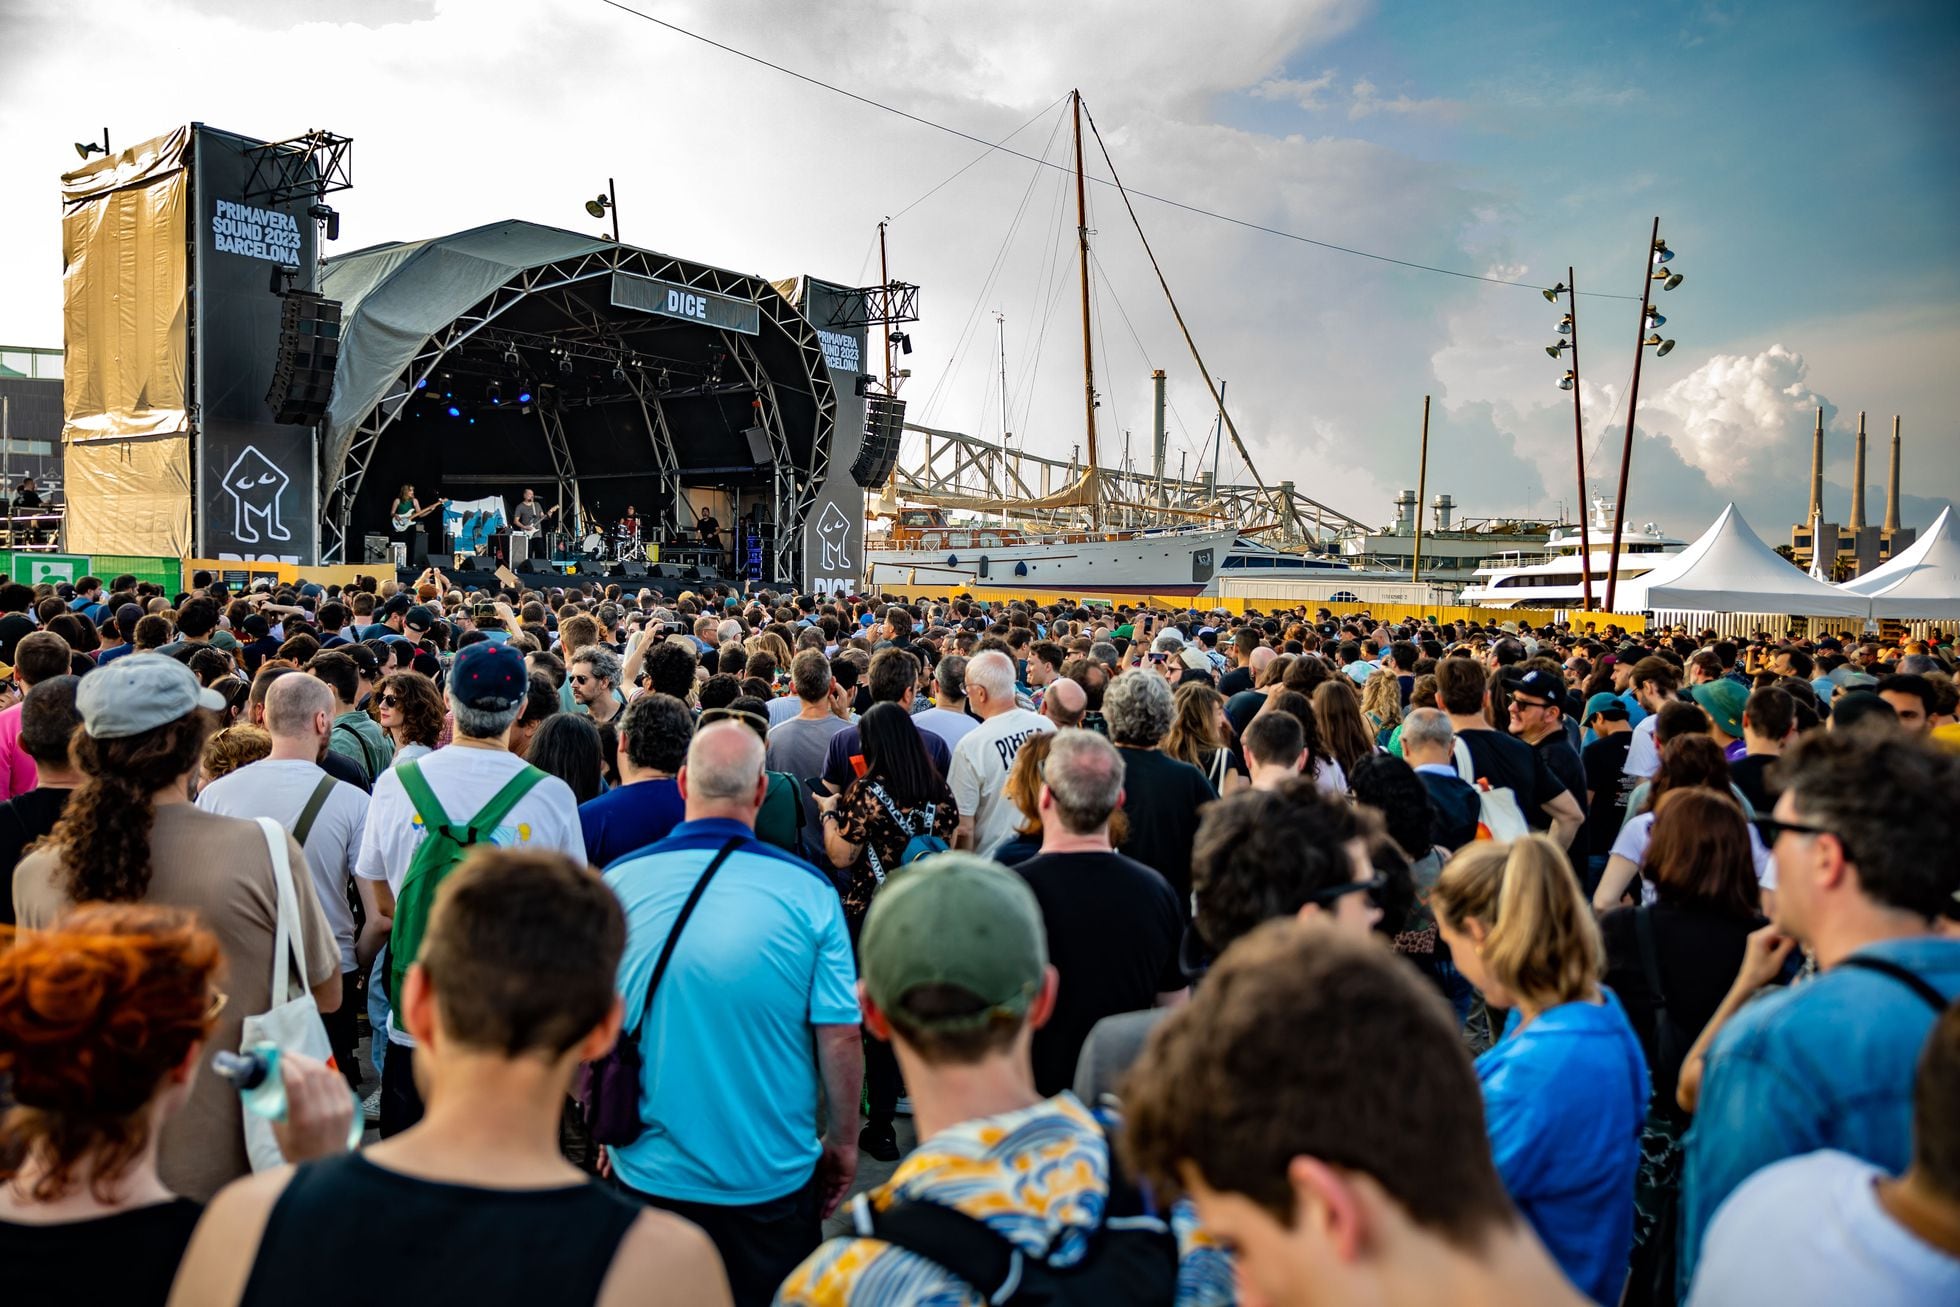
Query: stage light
point(422, 384)
point(619, 372)
point(903, 340)
point(327, 215)
point(1551, 296)
point(1565, 382)
point(1555, 350)
point(565, 366)
point(512, 359)
point(523, 395)
point(494, 392)
point(454, 411)
point(663, 381)
point(1565, 325)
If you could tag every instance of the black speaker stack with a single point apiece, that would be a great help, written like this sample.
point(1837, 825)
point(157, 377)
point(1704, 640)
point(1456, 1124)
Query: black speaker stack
point(884, 424)
point(309, 349)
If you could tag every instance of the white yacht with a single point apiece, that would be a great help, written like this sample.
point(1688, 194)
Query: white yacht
point(1552, 579)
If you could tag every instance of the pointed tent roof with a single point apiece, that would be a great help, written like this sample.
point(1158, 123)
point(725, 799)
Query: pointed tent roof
point(1922, 581)
point(1730, 570)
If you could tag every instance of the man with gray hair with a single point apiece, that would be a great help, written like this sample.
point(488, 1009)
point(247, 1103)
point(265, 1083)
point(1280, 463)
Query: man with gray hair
point(1161, 795)
point(595, 682)
point(1113, 924)
point(764, 974)
point(326, 817)
point(948, 717)
point(514, 805)
point(985, 755)
point(1429, 746)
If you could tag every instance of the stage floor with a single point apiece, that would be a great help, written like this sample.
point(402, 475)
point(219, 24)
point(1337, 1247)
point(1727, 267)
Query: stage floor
point(594, 580)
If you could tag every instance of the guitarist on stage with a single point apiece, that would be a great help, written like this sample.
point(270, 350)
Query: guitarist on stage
point(403, 518)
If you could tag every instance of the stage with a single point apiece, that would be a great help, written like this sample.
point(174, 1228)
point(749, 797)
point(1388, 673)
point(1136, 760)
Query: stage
point(663, 578)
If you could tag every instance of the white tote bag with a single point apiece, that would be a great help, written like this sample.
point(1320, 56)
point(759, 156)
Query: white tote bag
point(1498, 817)
point(293, 1023)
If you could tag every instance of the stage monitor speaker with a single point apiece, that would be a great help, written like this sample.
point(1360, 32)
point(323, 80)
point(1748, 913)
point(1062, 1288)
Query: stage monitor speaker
point(884, 424)
point(669, 571)
point(629, 569)
point(374, 548)
point(309, 349)
point(442, 562)
point(539, 565)
point(758, 444)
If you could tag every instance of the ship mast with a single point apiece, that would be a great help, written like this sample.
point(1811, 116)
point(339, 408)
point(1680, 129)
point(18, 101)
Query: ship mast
point(1088, 359)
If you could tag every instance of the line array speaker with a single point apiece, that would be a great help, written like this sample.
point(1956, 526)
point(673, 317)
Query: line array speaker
point(758, 444)
point(884, 423)
point(309, 349)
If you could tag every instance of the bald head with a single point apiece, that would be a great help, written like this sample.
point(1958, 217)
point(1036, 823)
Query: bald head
point(1064, 702)
point(723, 775)
point(297, 707)
point(1261, 658)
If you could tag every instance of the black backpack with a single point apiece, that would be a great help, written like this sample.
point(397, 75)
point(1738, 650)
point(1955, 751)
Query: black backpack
point(1132, 1257)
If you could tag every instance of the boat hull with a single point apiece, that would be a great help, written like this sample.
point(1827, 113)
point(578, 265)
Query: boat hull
point(1179, 563)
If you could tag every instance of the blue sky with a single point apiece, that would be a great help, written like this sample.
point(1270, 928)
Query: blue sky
point(1803, 156)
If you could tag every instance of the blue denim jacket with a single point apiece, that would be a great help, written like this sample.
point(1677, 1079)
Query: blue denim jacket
point(1825, 1064)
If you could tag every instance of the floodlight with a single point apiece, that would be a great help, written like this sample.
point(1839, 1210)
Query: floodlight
point(86, 148)
point(1555, 350)
point(1565, 325)
point(1666, 345)
point(1551, 296)
point(1566, 382)
point(1662, 254)
point(1654, 318)
point(597, 208)
point(1672, 281)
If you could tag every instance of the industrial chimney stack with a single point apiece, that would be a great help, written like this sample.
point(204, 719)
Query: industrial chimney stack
point(1892, 483)
point(1816, 468)
point(1857, 522)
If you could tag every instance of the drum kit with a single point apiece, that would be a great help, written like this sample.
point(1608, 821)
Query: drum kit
point(621, 545)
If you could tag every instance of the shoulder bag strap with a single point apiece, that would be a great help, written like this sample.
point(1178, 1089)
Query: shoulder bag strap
point(1650, 965)
point(1465, 769)
point(958, 1244)
point(311, 812)
point(367, 758)
point(1912, 981)
point(898, 817)
point(504, 800)
point(288, 940)
point(680, 922)
point(427, 806)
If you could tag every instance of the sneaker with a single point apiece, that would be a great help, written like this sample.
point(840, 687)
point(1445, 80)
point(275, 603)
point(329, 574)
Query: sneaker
point(879, 1140)
point(371, 1108)
point(903, 1107)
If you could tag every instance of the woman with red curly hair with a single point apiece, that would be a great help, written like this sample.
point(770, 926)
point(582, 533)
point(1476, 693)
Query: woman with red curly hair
point(102, 1019)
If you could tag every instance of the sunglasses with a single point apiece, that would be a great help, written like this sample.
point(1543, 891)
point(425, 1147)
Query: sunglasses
point(1333, 893)
point(1772, 829)
point(1519, 701)
point(580, 678)
point(389, 700)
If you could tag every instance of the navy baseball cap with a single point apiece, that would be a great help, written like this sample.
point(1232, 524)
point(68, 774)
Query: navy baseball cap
point(1539, 684)
point(489, 676)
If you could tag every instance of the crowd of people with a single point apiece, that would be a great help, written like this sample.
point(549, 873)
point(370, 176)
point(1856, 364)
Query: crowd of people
point(1214, 957)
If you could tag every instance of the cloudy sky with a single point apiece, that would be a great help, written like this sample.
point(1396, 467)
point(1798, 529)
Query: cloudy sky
point(1793, 149)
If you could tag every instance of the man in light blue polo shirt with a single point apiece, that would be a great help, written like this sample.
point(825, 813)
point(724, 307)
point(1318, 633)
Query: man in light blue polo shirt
point(755, 1018)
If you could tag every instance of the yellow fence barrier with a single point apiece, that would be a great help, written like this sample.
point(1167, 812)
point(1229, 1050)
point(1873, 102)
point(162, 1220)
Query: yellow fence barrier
point(1536, 617)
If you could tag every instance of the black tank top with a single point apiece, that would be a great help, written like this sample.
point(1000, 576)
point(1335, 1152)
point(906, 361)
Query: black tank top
point(345, 1222)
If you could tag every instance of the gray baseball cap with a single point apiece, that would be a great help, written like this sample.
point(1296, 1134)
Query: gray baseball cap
point(139, 693)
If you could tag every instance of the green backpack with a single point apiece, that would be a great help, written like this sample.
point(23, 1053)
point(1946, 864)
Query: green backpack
point(442, 847)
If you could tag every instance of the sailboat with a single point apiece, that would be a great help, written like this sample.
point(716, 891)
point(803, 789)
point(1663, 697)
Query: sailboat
point(925, 547)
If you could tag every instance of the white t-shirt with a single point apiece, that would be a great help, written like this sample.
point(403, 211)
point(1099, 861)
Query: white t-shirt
point(1809, 1230)
point(948, 725)
point(410, 752)
point(464, 778)
point(1643, 755)
point(279, 788)
point(1329, 778)
point(981, 762)
point(1631, 844)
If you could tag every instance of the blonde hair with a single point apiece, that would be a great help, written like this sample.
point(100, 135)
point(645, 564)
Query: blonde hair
point(1381, 699)
point(1194, 723)
point(1541, 941)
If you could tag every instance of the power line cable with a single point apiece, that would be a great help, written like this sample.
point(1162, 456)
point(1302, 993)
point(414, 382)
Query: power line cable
point(1160, 199)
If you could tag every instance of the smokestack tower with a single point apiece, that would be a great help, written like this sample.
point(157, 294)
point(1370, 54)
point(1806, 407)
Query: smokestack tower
point(1816, 468)
point(1857, 522)
point(1892, 483)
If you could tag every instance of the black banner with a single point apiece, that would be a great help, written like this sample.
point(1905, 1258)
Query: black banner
point(256, 493)
point(833, 533)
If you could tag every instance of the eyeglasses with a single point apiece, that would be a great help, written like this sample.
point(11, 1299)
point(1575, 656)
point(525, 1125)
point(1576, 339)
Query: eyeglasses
point(1333, 893)
point(217, 1004)
point(1772, 829)
point(580, 678)
point(389, 700)
point(1519, 701)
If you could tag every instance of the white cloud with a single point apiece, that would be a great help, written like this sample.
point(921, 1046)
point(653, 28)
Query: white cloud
point(1736, 415)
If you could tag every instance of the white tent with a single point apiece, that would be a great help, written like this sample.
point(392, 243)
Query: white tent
point(1730, 570)
point(1923, 581)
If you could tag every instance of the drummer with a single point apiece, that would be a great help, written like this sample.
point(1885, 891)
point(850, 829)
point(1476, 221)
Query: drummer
point(629, 525)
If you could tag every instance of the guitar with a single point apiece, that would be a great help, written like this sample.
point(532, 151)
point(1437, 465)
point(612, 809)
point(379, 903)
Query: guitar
point(533, 531)
point(403, 521)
